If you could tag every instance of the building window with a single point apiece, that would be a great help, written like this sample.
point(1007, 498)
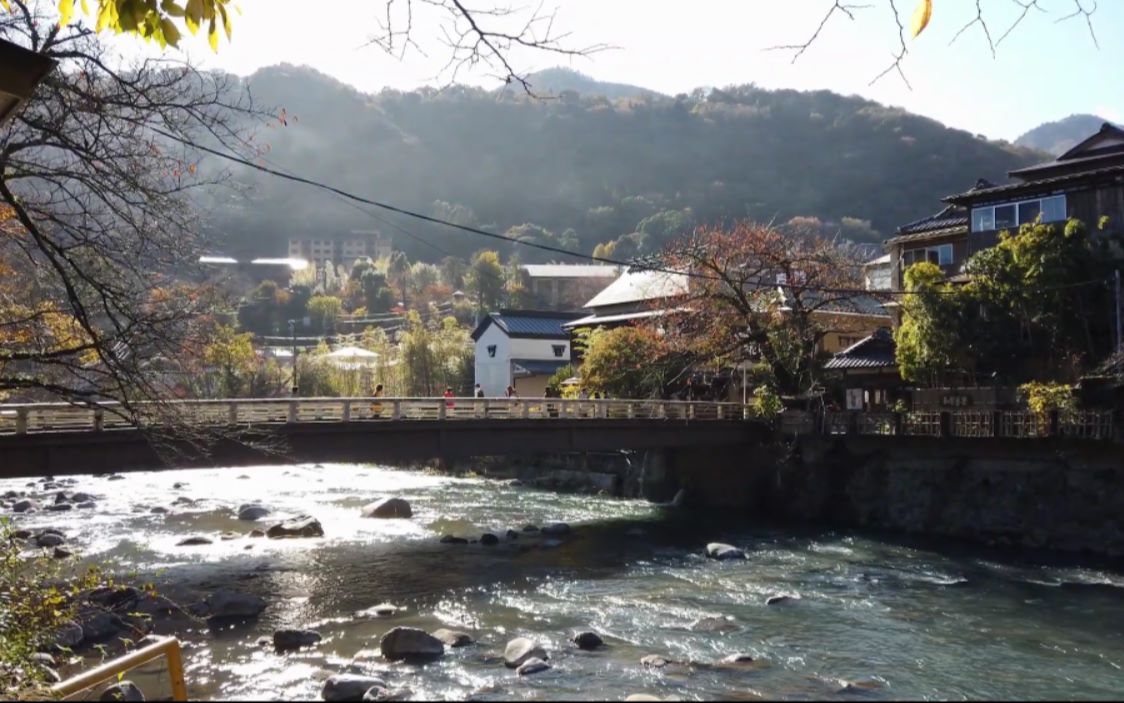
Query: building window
point(559, 350)
point(847, 341)
point(1009, 215)
point(940, 254)
point(492, 350)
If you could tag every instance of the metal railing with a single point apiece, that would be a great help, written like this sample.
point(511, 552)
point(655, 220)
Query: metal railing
point(36, 418)
point(167, 648)
point(1081, 424)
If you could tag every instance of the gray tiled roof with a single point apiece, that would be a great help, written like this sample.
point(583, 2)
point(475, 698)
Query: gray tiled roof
point(528, 324)
point(874, 352)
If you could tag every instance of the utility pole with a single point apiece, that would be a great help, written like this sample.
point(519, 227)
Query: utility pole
point(293, 336)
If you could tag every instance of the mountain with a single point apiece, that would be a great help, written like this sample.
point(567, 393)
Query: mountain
point(1058, 137)
point(583, 170)
point(552, 81)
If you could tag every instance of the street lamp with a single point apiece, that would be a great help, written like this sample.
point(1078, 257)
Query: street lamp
point(20, 71)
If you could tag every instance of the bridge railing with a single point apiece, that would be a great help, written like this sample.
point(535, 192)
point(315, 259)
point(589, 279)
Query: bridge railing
point(1010, 424)
point(31, 418)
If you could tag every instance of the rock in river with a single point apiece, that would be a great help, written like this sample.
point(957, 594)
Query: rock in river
point(489, 539)
point(348, 687)
point(453, 638)
point(450, 539)
point(225, 603)
point(122, 691)
point(49, 539)
point(587, 640)
point(558, 529)
point(25, 505)
point(410, 643)
point(303, 526)
point(251, 512)
point(519, 650)
point(284, 640)
point(780, 598)
point(721, 552)
point(388, 508)
point(196, 541)
point(60, 507)
point(532, 666)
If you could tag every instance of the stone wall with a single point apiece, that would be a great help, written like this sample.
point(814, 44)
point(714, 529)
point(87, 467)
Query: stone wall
point(1041, 494)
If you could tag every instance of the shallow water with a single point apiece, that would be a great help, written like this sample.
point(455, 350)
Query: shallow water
point(897, 620)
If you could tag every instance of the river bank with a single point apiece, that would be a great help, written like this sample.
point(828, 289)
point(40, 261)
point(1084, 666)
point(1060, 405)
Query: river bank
point(893, 618)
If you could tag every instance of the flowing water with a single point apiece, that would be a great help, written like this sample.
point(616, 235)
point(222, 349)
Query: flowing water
point(895, 620)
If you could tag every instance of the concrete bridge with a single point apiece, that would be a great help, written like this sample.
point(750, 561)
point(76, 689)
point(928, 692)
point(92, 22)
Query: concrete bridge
point(58, 438)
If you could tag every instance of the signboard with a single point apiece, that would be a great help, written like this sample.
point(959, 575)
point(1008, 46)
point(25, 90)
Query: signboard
point(854, 399)
point(956, 400)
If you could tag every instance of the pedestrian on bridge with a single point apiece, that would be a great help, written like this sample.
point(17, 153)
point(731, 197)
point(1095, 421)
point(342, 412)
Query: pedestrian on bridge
point(449, 404)
point(376, 407)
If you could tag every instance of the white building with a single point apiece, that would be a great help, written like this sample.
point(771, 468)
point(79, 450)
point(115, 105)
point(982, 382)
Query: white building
point(877, 273)
point(340, 249)
point(520, 348)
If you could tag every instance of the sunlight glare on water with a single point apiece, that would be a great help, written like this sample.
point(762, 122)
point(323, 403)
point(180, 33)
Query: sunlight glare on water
point(894, 620)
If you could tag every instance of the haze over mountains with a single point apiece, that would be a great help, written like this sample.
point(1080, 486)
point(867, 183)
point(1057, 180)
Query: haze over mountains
point(1058, 137)
point(598, 163)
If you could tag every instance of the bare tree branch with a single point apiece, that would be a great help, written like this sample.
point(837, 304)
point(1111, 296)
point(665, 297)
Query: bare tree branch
point(477, 36)
point(837, 6)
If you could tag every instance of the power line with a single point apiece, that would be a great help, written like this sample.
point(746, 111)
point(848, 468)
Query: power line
point(546, 247)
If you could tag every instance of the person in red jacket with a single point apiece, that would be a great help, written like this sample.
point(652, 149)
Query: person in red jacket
point(449, 398)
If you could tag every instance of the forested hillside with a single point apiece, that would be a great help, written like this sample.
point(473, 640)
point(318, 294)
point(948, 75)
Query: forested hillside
point(583, 170)
point(1058, 137)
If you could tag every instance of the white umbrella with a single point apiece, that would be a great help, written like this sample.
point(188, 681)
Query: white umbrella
point(352, 357)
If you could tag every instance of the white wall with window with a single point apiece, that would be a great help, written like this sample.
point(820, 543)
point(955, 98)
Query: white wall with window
point(1010, 215)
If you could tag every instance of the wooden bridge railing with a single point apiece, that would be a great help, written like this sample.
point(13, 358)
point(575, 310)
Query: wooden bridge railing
point(21, 419)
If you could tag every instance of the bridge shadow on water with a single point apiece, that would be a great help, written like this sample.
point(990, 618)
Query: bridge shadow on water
point(345, 577)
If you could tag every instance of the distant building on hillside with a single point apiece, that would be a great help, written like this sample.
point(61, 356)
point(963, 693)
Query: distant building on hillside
point(565, 286)
point(340, 249)
point(876, 274)
point(520, 348)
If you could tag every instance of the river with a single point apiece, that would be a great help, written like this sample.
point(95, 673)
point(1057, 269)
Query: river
point(896, 619)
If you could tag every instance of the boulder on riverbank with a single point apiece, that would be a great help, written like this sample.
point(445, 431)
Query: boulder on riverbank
point(302, 526)
point(349, 687)
point(287, 640)
point(489, 539)
point(410, 643)
point(49, 539)
point(251, 512)
point(520, 650)
point(722, 552)
point(558, 529)
point(450, 539)
point(123, 691)
point(388, 508)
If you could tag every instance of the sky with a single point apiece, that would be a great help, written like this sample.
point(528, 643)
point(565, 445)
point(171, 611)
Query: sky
point(1043, 71)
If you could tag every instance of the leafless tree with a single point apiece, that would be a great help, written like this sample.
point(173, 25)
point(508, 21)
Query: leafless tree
point(970, 16)
point(99, 231)
point(480, 36)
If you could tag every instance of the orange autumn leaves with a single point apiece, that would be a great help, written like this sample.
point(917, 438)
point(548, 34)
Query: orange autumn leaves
point(32, 330)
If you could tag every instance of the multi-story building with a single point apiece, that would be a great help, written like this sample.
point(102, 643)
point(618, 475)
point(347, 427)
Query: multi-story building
point(340, 249)
point(565, 286)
